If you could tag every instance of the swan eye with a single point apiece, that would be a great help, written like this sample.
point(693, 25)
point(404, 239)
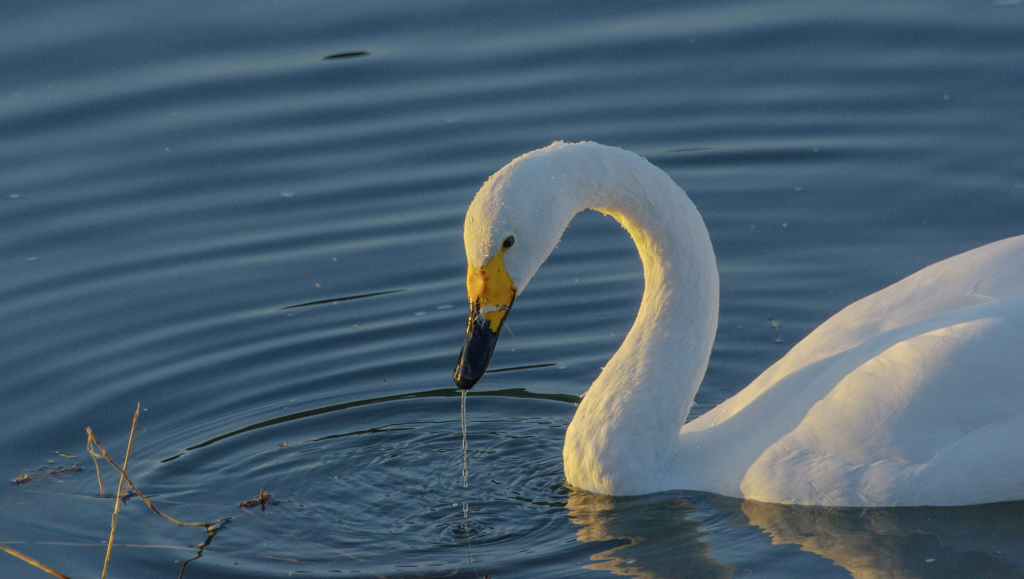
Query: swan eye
point(509, 241)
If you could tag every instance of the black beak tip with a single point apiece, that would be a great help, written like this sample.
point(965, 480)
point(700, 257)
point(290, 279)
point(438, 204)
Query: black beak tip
point(463, 382)
point(471, 366)
point(475, 356)
point(477, 350)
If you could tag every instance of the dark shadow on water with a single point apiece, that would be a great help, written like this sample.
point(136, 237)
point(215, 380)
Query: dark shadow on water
point(342, 299)
point(527, 367)
point(342, 55)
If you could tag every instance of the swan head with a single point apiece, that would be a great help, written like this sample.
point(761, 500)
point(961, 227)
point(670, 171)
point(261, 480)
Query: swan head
point(512, 225)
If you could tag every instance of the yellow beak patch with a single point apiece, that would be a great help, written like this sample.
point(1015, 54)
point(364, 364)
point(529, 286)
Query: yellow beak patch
point(491, 289)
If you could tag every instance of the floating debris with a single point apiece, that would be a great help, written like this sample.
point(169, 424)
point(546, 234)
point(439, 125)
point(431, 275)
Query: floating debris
point(347, 55)
point(262, 501)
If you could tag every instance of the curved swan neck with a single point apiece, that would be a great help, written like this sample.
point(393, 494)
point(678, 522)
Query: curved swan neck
point(867, 410)
point(629, 420)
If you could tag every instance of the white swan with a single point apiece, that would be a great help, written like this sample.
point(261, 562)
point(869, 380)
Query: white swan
point(913, 395)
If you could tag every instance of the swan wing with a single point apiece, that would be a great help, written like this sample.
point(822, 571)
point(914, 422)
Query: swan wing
point(983, 275)
point(930, 414)
point(914, 391)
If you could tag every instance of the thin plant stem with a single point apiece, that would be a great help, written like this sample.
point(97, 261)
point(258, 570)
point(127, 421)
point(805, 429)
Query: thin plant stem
point(31, 561)
point(99, 477)
point(120, 487)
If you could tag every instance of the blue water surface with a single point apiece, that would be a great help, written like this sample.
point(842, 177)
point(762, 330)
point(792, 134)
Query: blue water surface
point(203, 212)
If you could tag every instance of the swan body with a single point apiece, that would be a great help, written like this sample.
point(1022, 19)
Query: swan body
point(913, 395)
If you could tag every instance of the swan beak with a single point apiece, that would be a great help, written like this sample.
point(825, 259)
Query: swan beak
point(491, 293)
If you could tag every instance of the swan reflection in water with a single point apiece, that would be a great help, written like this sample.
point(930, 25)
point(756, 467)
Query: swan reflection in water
point(696, 535)
point(652, 535)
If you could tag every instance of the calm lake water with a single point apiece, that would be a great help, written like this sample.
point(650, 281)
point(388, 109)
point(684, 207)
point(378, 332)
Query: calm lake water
point(175, 177)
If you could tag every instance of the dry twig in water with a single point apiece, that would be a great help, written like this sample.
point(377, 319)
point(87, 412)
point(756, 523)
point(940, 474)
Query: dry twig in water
point(31, 561)
point(93, 445)
point(103, 453)
point(120, 486)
